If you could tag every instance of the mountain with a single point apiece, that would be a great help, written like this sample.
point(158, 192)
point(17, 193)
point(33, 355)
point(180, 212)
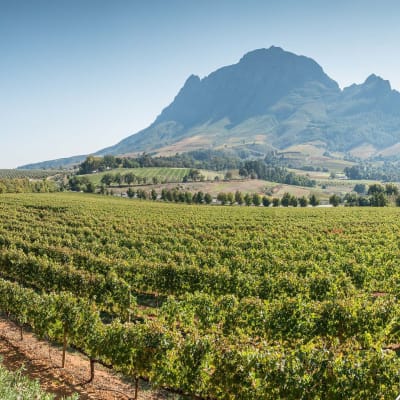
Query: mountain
point(271, 99)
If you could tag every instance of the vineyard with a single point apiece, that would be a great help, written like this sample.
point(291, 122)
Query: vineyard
point(160, 173)
point(214, 302)
point(26, 173)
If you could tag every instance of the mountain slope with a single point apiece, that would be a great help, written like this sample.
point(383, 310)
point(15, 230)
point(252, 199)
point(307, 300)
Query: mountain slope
point(272, 99)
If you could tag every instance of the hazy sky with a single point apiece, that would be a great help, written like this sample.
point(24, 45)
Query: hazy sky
point(80, 75)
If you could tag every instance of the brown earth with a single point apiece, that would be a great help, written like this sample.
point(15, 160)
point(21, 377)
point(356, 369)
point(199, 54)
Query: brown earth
point(42, 361)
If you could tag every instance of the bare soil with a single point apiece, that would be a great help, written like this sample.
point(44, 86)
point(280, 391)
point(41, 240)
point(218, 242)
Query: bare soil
point(42, 361)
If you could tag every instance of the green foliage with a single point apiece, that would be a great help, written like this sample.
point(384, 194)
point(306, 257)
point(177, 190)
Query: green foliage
point(239, 197)
point(314, 200)
point(222, 198)
point(360, 188)
point(335, 200)
point(36, 174)
point(24, 185)
point(303, 201)
point(266, 201)
point(376, 188)
point(261, 170)
point(252, 303)
point(285, 200)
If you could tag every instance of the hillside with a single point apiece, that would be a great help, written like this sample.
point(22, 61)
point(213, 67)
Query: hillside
point(270, 99)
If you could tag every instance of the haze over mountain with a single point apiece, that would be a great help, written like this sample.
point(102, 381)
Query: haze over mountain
point(270, 99)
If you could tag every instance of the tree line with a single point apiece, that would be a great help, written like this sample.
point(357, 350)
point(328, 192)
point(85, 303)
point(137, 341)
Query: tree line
point(261, 170)
point(214, 160)
point(217, 161)
point(25, 185)
point(375, 195)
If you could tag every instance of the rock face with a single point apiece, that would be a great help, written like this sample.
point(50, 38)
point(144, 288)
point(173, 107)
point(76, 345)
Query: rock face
point(244, 90)
point(275, 99)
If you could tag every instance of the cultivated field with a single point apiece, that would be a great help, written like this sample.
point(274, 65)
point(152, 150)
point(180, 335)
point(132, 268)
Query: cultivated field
point(162, 174)
point(217, 302)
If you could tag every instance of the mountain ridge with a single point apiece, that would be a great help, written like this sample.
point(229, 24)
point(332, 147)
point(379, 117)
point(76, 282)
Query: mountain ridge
point(272, 98)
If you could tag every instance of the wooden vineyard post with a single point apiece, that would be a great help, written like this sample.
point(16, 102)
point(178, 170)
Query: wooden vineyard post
point(64, 348)
point(136, 388)
point(92, 362)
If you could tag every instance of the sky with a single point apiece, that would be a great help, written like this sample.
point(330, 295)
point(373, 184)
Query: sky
point(80, 75)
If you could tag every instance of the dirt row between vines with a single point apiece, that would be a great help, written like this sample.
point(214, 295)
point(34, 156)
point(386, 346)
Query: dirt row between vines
point(42, 361)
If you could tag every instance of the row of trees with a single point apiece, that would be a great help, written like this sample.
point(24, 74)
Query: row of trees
point(375, 195)
point(224, 198)
point(354, 199)
point(388, 172)
point(200, 159)
point(207, 159)
point(261, 170)
point(27, 186)
point(129, 178)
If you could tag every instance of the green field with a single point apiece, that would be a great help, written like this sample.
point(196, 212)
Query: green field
point(223, 302)
point(163, 174)
point(28, 173)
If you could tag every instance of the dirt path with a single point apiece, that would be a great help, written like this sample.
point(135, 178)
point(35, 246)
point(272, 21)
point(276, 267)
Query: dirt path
point(42, 361)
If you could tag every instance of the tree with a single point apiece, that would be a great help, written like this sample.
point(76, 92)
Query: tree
point(188, 198)
point(398, 201)
point(360, 188)
point(228, 176)
point(391, 189)
point(256, 199)
point(363, 201)
point(378, 200)
point(199, 198)
point(375, 189)
point(303, 201)
point(293, 201)
point(90, 187)
point(142, 194)
point(153, 194)
point(208, 198)
point(285, 201)
point(107, 179)
point(222, 198)
point(169, 195)
point(230, 198)
point(314, 200)
point(193, 175)
point(351, 199)
point(181, 197)
point(129, 178)
point(239, 197)
point(266, 201)
point(247, 199)
point(90, 165)
point(130, 193)
point(353, 172)
point(276, 202)
point(334, 200)
point(118, 178)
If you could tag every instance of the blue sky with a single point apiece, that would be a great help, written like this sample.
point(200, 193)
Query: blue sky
point(80, 75)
